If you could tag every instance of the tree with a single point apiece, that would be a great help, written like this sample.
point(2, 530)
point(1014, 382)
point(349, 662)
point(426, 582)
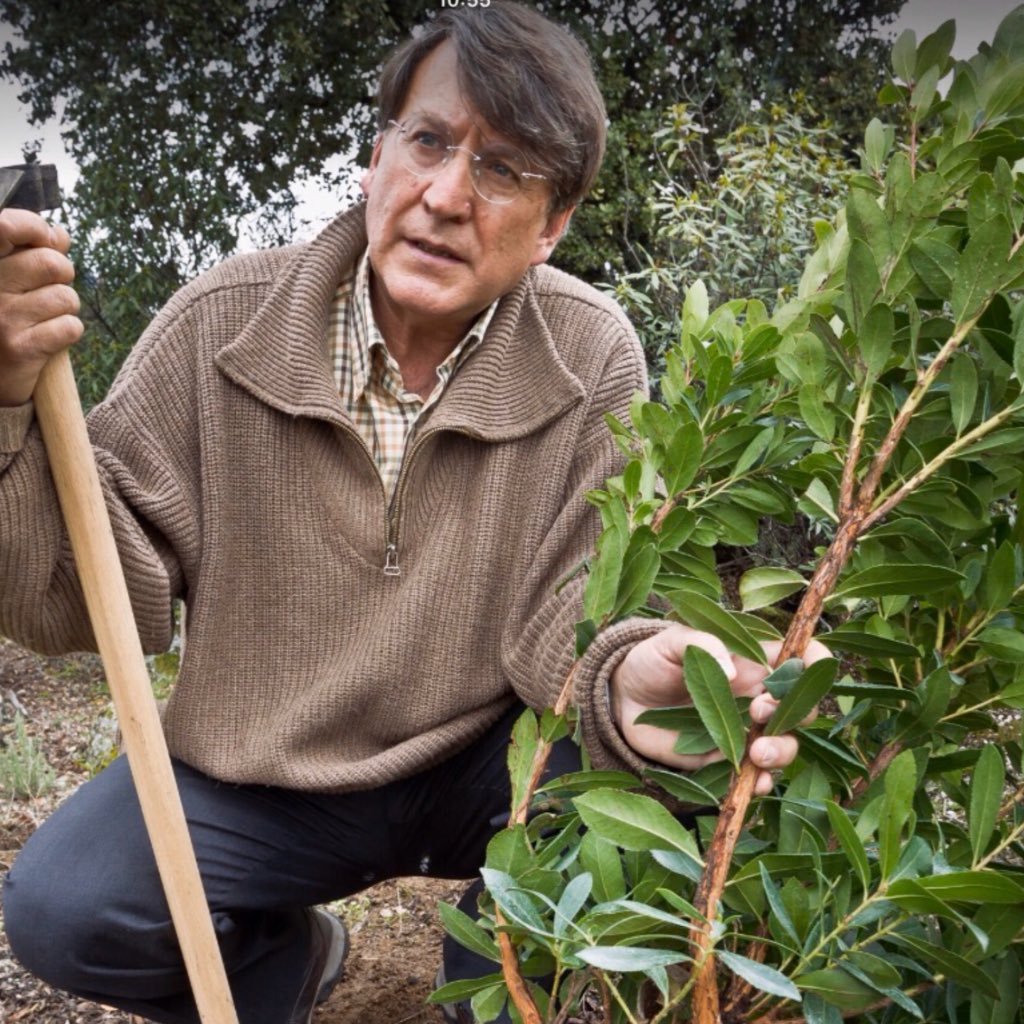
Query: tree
point(883, 880)
point(192, 122)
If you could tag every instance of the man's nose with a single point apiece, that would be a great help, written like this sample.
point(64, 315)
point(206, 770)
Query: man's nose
point(450, 191)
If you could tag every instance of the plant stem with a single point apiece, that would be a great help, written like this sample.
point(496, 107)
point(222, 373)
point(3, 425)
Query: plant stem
point(513, 977)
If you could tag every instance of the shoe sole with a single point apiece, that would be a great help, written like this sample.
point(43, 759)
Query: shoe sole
point(334, 968)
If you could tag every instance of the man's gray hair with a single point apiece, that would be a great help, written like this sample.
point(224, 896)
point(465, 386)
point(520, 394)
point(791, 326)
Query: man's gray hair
point(530, 79)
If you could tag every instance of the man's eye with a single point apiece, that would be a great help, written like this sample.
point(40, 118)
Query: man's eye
point(427, 140)
point(500, 169)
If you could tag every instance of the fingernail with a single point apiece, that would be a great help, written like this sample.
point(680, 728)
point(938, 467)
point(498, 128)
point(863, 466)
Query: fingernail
point(769, 755)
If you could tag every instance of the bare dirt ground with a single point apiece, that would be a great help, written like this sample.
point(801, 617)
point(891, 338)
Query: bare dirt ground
point(396, 939)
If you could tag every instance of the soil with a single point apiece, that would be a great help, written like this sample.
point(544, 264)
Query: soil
point(396, 937)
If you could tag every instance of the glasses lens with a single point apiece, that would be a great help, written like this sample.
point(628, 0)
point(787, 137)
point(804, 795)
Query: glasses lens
point(424, 146)
point(499, 173)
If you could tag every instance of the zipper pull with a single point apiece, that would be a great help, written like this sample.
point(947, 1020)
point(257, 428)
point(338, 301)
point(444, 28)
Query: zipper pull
point(391, 567)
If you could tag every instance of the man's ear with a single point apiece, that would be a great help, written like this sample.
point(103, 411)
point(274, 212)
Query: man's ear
point(368, 175)
point(556, 226)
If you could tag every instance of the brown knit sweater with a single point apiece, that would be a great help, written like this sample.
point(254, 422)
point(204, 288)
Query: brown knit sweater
point(236, 482)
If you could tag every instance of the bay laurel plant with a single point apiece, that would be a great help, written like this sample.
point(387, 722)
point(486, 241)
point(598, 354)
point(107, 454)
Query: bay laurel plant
point(880, 412)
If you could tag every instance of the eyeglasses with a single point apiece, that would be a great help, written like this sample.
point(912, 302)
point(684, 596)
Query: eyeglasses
point(499, 173)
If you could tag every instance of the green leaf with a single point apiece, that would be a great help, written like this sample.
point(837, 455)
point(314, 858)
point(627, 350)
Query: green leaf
point(923, 94)
point(1006, 1009)
point(684, 720)
point(935, 48)
point(465, 988)
point(804, 696)
point(812, 400)
point(897, 578)
point(900, 781)
point(572, 901)
point(963, 390)
point(935, 263)
point(782, 679)
point(875, 145)
point(874, 342)
point(754, 451)
point(762, 587)
point(948, 963)
point(521, 751)
point(582, 781)
point(682, 458)
point(702, 613)
point(982, 270)
point(854, 640)
point(987, 782)
point(850, 842)
point(765, 978)
point(838, 987)
point(683, 787)
point(904, 56)
point(983, 886)
point(712, 696)
point(866, 222)
point(603, 581)
point(634, 822)
point(863, 284)
point(601, 859)
point(640, 566)
point(676, 528)
point(1000, 579)
point(489, 1002)
point(623, 959)
point(695, 307)
point(468, 933)
point(1002, 644)
point(778, 908)
point(515, 904)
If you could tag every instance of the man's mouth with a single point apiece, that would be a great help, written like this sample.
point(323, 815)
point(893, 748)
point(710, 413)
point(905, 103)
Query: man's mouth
point(436, 250)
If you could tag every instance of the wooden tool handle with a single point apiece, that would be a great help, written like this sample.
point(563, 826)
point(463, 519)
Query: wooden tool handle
point(59, 411)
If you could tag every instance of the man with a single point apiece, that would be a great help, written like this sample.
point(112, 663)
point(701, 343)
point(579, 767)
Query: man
point(361, 463)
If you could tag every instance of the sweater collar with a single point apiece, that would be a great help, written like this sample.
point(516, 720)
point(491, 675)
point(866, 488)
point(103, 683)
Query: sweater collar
point(514, 383)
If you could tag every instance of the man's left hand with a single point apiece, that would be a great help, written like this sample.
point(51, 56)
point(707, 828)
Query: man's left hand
point(651, 676)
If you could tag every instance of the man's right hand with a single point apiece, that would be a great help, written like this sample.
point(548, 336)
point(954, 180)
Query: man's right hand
point(38, 306)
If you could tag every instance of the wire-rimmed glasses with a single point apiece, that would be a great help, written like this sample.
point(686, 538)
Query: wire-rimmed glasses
point(499, 174)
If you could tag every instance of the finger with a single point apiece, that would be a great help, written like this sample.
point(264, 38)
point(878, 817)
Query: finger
point(24, 228)
point(56, 334)
point(764, 784)
point(762, 707)
point(29, 269)
point(772, 752)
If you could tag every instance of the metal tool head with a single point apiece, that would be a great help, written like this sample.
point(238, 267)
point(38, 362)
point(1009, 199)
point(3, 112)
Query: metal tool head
point(29, 187)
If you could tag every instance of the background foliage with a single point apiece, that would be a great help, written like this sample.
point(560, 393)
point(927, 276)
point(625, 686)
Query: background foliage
point(193, 122)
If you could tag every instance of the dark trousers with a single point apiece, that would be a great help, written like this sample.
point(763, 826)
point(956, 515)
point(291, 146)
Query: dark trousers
point(84, 910)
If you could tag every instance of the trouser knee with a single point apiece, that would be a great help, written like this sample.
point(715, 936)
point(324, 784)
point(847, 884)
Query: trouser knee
point(41, 921)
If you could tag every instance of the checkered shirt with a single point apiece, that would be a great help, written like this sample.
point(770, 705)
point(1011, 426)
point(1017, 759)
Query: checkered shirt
point(369, 379)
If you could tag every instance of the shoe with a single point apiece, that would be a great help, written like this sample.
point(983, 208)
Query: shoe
point(453, 1013)
point(326, 964)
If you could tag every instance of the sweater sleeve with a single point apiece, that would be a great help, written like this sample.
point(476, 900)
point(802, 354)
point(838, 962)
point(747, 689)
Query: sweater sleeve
point(41, 601)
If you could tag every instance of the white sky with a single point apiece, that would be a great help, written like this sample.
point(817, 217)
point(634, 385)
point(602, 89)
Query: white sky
point(976, 21)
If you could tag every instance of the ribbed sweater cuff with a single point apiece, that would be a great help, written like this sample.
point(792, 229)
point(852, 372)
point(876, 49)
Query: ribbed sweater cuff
point(14, 423)
point(601, 737)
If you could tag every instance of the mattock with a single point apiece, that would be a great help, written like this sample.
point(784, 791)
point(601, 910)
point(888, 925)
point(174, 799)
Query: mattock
point(59, 412)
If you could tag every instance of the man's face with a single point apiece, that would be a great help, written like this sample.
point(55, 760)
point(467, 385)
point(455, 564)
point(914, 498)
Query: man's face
point(440, 252)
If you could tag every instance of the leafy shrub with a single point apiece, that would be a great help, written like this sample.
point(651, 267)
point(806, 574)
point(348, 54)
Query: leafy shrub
point(883, 879)
point(744, 225)
point(24, 771)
